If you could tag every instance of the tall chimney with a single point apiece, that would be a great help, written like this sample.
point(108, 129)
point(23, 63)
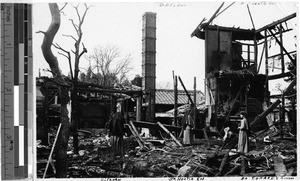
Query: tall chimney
point(149, 63)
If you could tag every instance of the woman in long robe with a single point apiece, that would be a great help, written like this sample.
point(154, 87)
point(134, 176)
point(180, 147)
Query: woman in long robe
point(243, 134)
point(116, 131)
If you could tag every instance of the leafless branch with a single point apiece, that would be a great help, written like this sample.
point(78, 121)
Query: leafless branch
point(63, 55)
point(71, 37)
point(68, 56)
point(41, 32)
point(63, 7)
point(83, 51)
point(74, 25)
point(57, 46)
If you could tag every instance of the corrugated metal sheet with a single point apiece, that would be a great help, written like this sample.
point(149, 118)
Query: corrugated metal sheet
point(166, 96)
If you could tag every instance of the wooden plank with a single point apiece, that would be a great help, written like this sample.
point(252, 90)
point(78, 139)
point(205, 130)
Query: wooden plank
point(278, 76)
point(187, 93)
point(265, 113)
point(143, 124)
point(276, 23)
point(282, 47)
point(135, 136)
point(223, 164)
point(137, 133)
point(172, 136)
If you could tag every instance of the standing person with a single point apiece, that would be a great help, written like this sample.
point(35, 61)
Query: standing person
point(116, 130)
point(243, 134)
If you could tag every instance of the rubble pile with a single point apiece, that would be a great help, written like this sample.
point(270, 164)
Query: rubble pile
point(164, 158)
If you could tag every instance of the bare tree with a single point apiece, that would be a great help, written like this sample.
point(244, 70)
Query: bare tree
point(108, 66)
point(61, 158)
point(62, 143)
point(77, 55)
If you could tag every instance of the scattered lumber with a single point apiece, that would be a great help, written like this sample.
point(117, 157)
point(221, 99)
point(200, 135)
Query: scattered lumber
point(234, 170)
point(259, 174)
point(265, 113)
point(96, 170)
point(137, 133)
point(136, 136)
point(223, 163)
point(243, 165)
point(212, 157)
point(169, 133)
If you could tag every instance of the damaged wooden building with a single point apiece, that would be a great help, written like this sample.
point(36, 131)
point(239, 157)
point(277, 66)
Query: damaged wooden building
point(235, 81)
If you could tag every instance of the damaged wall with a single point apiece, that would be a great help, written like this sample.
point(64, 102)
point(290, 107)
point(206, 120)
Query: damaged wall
point(232, 84)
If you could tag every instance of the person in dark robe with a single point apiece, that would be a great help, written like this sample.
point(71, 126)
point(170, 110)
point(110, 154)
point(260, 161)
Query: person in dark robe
point(243, 134)
point(116, 131)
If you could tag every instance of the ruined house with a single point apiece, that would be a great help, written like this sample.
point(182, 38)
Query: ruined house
point(232, 79)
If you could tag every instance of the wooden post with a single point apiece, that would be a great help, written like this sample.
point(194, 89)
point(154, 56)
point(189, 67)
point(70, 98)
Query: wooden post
point(169, 133)
point(248, 61)
point(45, 117)
point(281, 119)
point(126, 109)
point(186, 92)
point(255, 51)
point(195, 103)
point(281, 50)
point(266, 62)
point(138, 108)
point(175, 101)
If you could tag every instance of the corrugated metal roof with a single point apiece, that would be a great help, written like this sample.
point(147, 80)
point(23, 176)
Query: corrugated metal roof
point(166, 96)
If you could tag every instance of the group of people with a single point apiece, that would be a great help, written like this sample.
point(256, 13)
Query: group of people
point(243, 135)
point(116, 131)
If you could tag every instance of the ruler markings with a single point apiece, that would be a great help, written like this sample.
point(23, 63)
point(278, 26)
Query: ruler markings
point(7, 43)
point(16, 41)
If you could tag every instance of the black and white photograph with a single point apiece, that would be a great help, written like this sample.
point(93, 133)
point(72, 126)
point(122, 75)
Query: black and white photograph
point(157, 90)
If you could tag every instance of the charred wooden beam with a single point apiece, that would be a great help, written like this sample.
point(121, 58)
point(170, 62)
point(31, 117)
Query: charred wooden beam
point(234, 101)
point(282, 47)
point(272, 25)
point(136, 136)
point(266, 112)
point(171, 135)
point(277, 33)
point(187, 93)
point(177, 129)
point(289, 88)
point(175, 100)
point(233, 170)
point(111, 91)
point(223, 164)
point(278, 76)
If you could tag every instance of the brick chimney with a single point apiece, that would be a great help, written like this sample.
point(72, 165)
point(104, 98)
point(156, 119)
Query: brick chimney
point(149, 63)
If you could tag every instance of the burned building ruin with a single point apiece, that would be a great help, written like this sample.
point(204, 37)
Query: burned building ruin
point(232, 79)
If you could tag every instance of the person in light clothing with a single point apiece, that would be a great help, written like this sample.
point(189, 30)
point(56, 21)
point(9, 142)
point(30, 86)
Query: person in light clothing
point(243, 134)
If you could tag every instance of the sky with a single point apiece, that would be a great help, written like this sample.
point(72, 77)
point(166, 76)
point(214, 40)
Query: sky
point(120, 24)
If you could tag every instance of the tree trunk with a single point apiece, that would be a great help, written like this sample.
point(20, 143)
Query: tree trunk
point(62, 142)
point(75, 116)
